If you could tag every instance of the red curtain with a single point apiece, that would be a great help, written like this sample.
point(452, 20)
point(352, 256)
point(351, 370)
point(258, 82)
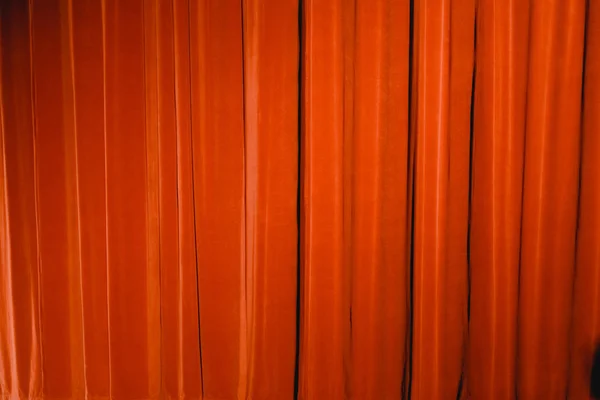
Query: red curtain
point(312, 199)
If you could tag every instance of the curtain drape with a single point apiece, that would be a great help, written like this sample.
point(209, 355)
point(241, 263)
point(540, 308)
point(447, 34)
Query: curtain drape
point(312, 199)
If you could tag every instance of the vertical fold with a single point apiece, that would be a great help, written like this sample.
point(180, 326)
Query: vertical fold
point(349, 15)
point(585, 339)
point(133, 369)
point(456, 296)
point(179, 314)
point(270, 39)
point(8, 373)
point(152, 97)
point(217, 130)
point(325, 313)
point(190, 379)
point(78, 361)
point(551, 176)
point(19, 164)
point(105, 138)
point(61, 327)
point(432, 356)
point(165, 120)
point(443, 57)
point(496, 197)
point(88, 85)
point(379, 251)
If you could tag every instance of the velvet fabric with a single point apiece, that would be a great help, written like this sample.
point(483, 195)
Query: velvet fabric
point(311, 199)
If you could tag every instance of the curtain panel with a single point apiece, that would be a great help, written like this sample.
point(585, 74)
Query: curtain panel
point(299, 199)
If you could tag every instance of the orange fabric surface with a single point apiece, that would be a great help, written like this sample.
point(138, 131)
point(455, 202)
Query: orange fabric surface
point(279, 199)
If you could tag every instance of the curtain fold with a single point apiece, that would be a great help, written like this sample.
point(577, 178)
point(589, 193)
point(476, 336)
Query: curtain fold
point(279, 199)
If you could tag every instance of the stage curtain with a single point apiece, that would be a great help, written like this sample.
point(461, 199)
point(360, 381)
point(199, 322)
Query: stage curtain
point(299, 199)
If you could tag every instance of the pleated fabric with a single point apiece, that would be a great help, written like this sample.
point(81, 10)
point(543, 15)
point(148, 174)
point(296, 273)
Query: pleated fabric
point(299, 199)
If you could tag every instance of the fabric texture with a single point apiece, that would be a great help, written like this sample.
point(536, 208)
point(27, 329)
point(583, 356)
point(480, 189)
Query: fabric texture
point(311, 199)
